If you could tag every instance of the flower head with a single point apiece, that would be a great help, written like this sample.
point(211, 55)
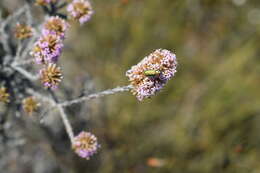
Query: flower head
point(151, 74)
point(23, 31)
point(4, 96)
point(47, 49)
point(55, 25)
point(44, 2)
point(80, 10)
point(85, 144)
point(51, 76)
point(30, 105)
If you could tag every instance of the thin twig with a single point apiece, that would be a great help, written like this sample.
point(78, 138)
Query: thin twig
point(61, 106)
point(4, 41)
point(29, 17)
point(62, 114)
point(18, 51)
point(25, 73)
point(41, 96)
point(17, 14)
point(14, 15)
point(4, 35)
point(29, 46)
point(24, 62)
point(66, 123)
point(96, 95)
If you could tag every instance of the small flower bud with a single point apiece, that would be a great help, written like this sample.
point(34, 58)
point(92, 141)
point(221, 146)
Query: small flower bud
point(55, 25)
point(30, 105)
point(47, 49)
point(85, 145)
point(4, 95)
point(51, 76)
point(23, 31)
point(80, 10)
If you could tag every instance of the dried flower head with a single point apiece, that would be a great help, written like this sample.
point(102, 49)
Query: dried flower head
point(44, 2)
point(151, 74)
point(47, 49)
point(23, 31)
point(85, 145)
point(30, 105)
point(4, 96)
point(80, 10)
point(55, 25)
point(51, 76)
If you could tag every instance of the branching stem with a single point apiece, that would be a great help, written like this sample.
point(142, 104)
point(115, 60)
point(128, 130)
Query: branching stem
point(66, 123)
point(96, 95)
point(25, 73)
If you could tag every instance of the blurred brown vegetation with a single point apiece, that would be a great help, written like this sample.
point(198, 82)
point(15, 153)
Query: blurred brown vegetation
point(207, 118)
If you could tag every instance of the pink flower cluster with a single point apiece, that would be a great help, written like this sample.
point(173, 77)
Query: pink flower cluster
point(85, 144)
point(151, 74)
point(51, 76)
point(46, 51)
point(80, 10)
point(55, 26)
point(48, 48)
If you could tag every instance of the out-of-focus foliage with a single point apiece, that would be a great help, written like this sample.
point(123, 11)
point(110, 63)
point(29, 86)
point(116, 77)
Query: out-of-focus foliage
point(207, 118)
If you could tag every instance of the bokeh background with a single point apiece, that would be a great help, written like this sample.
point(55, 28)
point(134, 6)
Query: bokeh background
point(206, 119)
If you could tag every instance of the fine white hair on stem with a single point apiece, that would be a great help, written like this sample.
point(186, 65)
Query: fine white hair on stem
point(3, 34)
point(18, 13)
point(42, 97)
point(66, 123)
point(4, 40)
point(84, 98)
point(60, 106)
point(29, 17)
point(29, 46)
point(27, 12)
point(61, 110)
point(24, 62)
point(25, 73)
point(16, 55)
point(19, 50)
point(96, 95)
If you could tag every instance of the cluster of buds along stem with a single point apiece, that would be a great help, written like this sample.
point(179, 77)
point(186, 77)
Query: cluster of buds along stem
point(146, 78)
point(47, 51)
point(48, 47)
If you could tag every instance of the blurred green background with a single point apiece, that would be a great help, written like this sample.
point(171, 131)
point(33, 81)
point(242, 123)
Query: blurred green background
point(206, 119)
